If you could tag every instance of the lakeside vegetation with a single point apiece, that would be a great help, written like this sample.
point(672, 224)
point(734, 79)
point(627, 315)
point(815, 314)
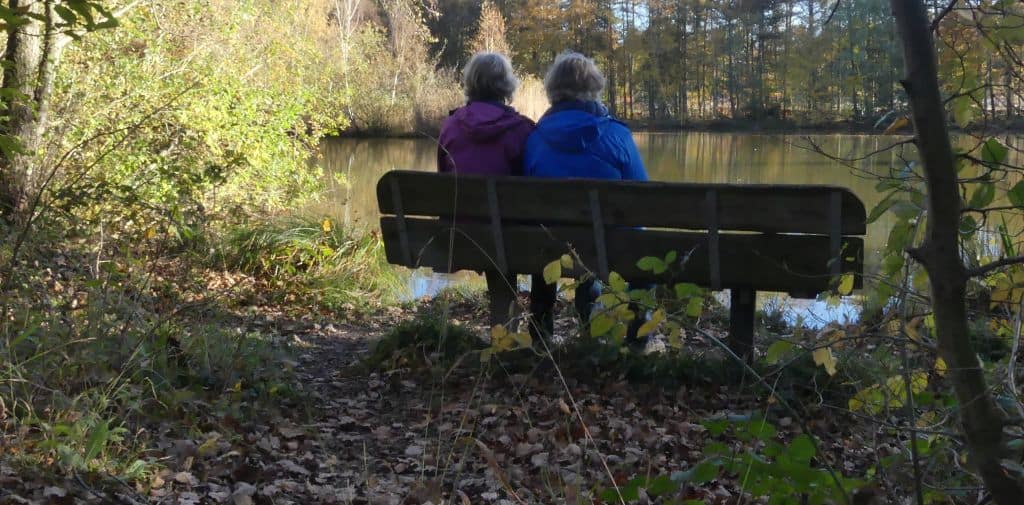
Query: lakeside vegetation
point(174, 326)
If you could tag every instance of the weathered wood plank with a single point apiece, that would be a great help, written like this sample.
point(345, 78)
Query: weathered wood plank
point(796, 264)
point(764, 208)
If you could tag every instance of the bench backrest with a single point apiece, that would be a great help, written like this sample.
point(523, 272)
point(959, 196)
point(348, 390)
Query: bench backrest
point(499, 214)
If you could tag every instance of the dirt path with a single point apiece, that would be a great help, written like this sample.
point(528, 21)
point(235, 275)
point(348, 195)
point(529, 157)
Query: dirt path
point(434, 435)
point(402, 437)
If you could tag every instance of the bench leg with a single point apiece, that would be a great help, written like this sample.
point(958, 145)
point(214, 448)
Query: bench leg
point(741, 322)
point(501, 290)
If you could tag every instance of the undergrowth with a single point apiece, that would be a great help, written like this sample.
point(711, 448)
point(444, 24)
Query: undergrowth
point(103, 355)
point(316, 261)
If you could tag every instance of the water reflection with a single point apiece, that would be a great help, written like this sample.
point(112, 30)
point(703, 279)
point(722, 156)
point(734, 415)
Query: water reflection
point(354, 166)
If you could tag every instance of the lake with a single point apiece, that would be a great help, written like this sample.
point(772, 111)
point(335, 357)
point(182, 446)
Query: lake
point(354, 165)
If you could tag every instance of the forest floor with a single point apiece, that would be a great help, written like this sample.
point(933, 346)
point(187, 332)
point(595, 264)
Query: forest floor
point(403, 435)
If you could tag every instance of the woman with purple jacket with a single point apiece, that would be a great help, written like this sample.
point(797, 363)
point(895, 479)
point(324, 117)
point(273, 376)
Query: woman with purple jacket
point(486, 136)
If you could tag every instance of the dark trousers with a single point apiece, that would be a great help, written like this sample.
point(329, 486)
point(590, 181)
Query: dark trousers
point(542, 307)
point(542, 304)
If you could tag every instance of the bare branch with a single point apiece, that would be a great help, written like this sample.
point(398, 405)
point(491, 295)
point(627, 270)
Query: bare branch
point(832, 14)
point(942, 14)
point(995, 265)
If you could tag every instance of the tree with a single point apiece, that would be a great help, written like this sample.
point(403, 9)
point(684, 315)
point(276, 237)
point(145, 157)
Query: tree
point(490, 32)
point(35, 44)
point(940, 254)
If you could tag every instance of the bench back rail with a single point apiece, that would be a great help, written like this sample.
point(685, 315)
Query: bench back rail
point(793, 239)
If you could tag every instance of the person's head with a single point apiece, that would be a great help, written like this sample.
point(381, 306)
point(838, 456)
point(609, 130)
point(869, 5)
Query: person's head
point(489, 77)
point(573, 77)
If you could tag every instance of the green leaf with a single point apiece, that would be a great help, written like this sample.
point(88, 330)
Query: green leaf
point(777, 350)
point(801, 449)
point(553, 272)
point(695, 307)
point(882, 207)
point(1016, 195)
point(968, 226)
point(762, 430)
point(97, 440)
point(983, 196)
point(651, 264)
point(705, 472)
point(992, 151)
point(617, 283)
point(660, 485)
point(600, 325)
point(609, 300)
point(671, 258)
point(686, 290)
point(892, 264)
point(905, 210)
point(920, 280)
point(963, 110)
point(899, 237)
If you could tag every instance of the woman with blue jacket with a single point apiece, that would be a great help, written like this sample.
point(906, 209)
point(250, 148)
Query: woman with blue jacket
point(576, 138)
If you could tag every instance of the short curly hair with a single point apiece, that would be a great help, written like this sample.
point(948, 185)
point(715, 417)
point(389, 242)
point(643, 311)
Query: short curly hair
point(489, 76)
point(573, 77)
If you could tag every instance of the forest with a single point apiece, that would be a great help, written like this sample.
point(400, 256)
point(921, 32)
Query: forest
point(189, 314)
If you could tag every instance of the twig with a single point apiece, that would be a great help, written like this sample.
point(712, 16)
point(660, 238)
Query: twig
point(942, 14)
point(995, 265)
point(835, 7)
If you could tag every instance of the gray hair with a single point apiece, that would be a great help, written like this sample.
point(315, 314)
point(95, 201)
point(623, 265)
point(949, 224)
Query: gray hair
point(573, 77)
point(489, 76)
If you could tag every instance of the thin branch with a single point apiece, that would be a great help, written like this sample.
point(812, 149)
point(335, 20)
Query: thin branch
point(942, 14)
point(995, 265)
point(835, 7)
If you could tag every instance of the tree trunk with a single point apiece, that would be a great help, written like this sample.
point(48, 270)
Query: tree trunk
point(940, 254)
point(22, 68)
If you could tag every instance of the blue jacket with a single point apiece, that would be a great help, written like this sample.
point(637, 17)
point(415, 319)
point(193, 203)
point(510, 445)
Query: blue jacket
point(580, 139)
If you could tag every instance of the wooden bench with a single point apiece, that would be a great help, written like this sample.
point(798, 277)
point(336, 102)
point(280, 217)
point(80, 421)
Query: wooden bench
point(745, 238)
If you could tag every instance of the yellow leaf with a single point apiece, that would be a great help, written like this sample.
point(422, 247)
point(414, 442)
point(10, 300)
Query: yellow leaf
point(651, 325)
point(210, 446)
point(912, 329)
point(824, 357)
point(896, 125)
point(846, 284)
point(150, 233)
point(498, 332)
point(567, 262)
point(327, 225)
point(553, 272)
point(523, 339)
point(940, 367)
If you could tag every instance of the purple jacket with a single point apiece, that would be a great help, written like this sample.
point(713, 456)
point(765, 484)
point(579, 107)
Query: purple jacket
point(483, 138)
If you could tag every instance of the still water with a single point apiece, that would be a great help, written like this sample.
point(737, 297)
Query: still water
point(354, 165)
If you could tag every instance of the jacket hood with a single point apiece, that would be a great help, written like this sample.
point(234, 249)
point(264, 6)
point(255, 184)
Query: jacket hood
point(572, 130)
point(483, 121)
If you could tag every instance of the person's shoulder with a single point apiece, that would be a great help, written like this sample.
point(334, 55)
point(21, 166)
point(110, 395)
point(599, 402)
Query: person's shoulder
point(525, 121)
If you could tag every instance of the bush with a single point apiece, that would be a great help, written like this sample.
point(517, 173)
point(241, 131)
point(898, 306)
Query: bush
point(333, 266)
